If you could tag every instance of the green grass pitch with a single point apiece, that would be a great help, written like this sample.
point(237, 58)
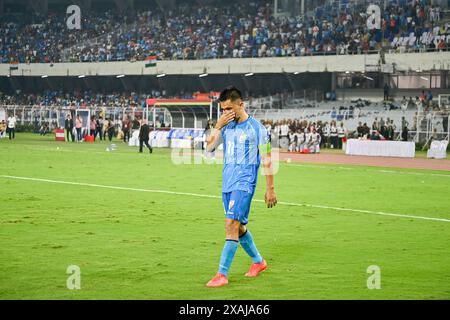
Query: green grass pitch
point(133, 244)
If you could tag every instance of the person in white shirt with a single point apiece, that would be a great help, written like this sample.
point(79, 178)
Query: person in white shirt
point(326, 133)
point(301, 140)
point(419, 105)
point(306, 143)
point(12, 127)
point(314, 142)
point(292, 142)
point(284, 130)
point(334, 135)
point(342, 133)
point(404, 105)
point(283, 134)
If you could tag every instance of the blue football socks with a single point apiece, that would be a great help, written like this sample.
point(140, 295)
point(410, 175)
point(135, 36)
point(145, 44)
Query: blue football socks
point(228, 252)
point(249, 246)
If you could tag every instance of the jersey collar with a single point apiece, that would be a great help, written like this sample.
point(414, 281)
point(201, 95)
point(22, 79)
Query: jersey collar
point(238, 124)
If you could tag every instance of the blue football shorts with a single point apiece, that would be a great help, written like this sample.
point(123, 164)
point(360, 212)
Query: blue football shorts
point(237, 205)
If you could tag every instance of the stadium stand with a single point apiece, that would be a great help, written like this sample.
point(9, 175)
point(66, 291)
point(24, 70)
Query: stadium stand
point(237, 30)
point(213, 30)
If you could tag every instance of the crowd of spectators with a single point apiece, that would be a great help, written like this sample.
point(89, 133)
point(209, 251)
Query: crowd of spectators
point(238, 29)
point(43, 39)
point(81, 99)
point(297, 135)
point(422, 103)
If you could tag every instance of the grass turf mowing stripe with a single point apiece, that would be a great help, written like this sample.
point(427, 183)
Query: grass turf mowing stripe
point(218, 197)
point(282, 162)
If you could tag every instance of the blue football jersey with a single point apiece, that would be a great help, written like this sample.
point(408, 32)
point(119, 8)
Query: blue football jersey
point(241, 142)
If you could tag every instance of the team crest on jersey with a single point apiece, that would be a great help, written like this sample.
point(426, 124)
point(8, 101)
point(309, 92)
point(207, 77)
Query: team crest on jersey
point(242, 138)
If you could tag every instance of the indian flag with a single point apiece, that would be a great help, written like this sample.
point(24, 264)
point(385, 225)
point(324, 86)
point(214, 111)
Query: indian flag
point(150, 61)
point(14, 66)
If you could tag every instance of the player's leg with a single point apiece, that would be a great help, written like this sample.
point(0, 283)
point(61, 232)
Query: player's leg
point(231, 201)
point(231, 245)
point(228, 252)
point(231, 242)
point(246, 238)
point(248, 244)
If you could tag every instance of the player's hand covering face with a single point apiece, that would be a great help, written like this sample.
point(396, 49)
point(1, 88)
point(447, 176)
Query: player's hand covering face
point(227, 116)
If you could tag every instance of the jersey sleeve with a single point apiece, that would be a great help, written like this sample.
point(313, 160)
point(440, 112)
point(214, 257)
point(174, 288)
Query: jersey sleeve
point(263, 140)
point(221, 138)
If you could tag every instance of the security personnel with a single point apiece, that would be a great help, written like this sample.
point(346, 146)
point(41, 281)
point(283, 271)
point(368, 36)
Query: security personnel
point(144, 136)
point(68, 125)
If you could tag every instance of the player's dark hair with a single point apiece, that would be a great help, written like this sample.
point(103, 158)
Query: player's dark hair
point(230, 93)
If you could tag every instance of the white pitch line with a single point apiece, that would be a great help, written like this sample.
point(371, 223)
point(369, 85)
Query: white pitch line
point(109, 187)
point(364, 211)
point(372, 170)
point(218, 197)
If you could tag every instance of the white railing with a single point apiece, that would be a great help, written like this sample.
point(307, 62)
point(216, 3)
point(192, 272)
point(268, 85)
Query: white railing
point(421, 126)
point(429, 124)
point(288, 100)
point(57, 113)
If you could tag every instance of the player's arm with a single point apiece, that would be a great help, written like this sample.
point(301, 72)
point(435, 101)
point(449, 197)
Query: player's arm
point(214, 139)
point(266, 158)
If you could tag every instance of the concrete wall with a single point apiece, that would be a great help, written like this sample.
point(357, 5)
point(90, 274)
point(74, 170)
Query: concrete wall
point(356, 63)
